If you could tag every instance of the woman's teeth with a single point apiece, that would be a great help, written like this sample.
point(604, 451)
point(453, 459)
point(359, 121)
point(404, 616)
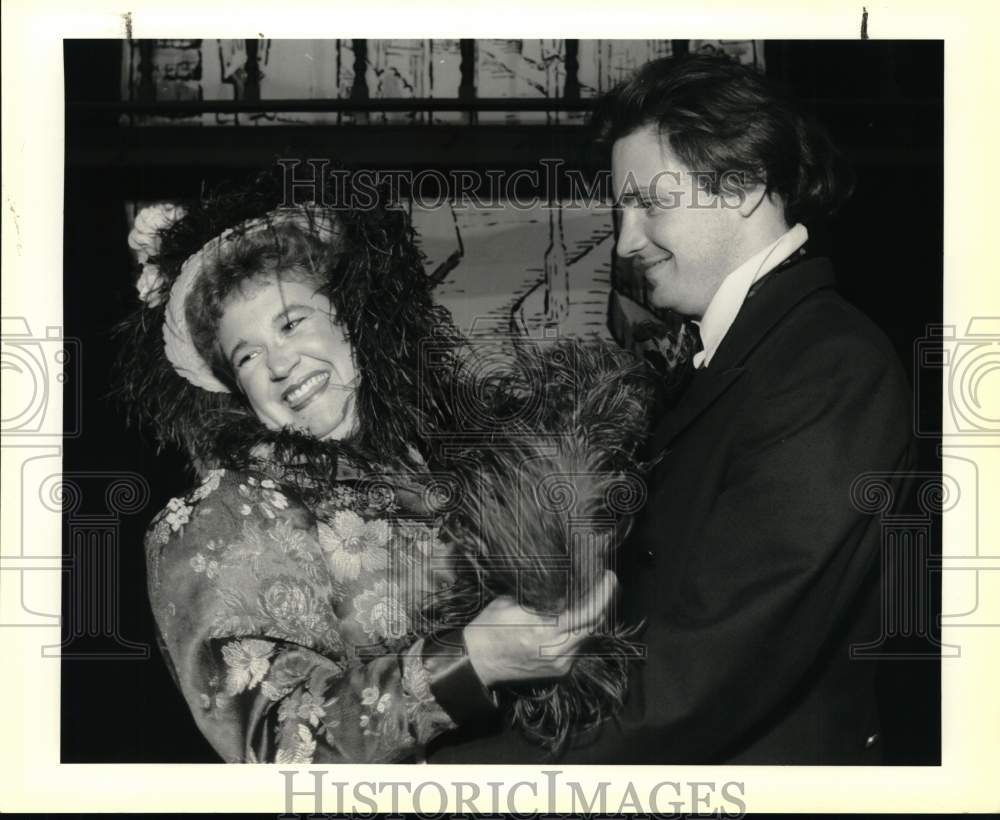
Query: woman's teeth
point(303, 390)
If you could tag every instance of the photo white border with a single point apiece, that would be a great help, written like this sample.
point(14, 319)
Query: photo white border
point(31, 776)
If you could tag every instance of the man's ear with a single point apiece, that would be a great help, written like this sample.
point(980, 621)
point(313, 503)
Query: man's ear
point(750, 197)
point(741, 192)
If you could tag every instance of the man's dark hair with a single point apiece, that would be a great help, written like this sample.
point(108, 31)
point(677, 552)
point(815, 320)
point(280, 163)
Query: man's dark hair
point(726, 120)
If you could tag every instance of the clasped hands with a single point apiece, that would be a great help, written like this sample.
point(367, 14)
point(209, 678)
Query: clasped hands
point(509, 644)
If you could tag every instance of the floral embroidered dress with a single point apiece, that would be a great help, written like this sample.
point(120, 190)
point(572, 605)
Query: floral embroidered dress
point(290, 630)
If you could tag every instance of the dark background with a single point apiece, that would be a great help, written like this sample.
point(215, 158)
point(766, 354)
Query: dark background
point(883, 103)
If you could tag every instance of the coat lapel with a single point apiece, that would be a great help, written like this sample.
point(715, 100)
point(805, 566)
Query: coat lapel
point(755, 320)
point(703, 389)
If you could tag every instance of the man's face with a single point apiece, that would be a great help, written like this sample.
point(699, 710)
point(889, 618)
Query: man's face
point(680, 236)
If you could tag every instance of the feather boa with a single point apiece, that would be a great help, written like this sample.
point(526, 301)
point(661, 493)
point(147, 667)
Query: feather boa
point(544, 505)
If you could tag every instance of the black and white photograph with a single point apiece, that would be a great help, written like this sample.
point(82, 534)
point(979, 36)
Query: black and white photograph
point(470, 401)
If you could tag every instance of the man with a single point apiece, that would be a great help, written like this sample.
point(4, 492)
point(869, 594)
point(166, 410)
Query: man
point(753, 570)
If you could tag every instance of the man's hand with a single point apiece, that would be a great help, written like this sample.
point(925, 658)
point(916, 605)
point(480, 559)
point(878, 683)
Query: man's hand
point(509, 644)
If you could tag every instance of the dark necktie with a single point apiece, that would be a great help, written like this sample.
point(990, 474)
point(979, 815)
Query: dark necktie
point(670, 352)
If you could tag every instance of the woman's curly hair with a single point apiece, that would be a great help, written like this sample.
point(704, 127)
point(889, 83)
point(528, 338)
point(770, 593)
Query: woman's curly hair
point(378, 288)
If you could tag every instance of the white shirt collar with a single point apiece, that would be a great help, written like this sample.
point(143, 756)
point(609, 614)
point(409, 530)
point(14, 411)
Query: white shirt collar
point(729, 298)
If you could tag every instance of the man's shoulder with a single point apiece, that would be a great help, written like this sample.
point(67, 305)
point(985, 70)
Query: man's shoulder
point(825, 327)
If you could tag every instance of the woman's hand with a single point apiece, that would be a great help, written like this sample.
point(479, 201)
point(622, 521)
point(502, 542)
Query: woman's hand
point(509, 644)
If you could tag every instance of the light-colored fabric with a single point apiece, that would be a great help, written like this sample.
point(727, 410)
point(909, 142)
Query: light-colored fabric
point(729, 298)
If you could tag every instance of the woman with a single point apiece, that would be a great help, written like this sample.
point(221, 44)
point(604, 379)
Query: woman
point(320, 594)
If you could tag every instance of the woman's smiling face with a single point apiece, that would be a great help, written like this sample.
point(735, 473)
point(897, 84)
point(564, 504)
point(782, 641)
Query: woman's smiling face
point(293, 363)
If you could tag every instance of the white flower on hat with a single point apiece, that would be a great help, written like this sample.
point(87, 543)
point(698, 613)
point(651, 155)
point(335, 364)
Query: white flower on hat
point(148, 285)
point(144, 239)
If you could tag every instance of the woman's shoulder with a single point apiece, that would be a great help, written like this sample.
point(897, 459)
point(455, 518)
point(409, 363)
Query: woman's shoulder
point(233, 519)
point(224, 500)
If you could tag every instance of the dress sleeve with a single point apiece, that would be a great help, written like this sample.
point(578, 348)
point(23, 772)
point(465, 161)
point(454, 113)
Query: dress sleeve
point(286, 636)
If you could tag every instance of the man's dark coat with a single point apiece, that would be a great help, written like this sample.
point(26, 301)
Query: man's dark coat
point(752, 563)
